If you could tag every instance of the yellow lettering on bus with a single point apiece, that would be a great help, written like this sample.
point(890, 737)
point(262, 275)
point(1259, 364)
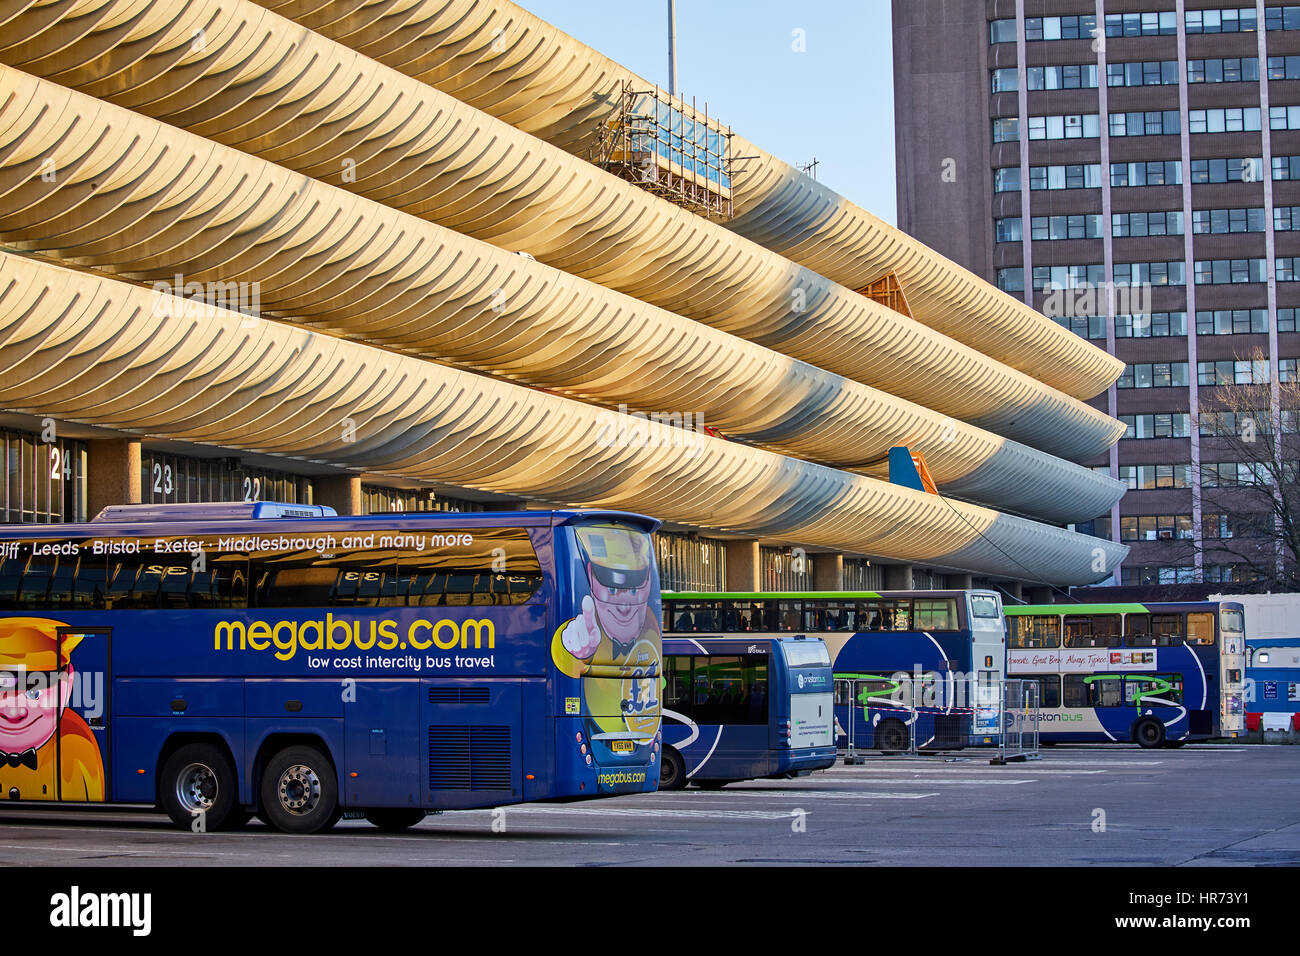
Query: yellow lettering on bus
point(480, 627)
point(229, 628)
point(455, 634)
point(418, 644)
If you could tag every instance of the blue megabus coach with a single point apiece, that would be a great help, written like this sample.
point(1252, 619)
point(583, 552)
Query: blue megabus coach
point(226, 660)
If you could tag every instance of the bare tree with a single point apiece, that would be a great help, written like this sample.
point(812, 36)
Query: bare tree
point(1249, 486)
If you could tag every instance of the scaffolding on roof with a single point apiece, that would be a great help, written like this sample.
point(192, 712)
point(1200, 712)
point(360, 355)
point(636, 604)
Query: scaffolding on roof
point(681, 155)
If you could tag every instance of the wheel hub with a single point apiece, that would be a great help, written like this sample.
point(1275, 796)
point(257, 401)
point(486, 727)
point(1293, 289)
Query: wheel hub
point(196, 788)
point(299, 789)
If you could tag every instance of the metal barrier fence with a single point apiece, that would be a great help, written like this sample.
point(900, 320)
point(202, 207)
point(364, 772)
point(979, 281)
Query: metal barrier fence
point(936, 715)
point(1018, 721)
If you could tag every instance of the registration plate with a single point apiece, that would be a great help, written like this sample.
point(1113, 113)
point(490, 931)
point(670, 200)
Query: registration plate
point(621, 746)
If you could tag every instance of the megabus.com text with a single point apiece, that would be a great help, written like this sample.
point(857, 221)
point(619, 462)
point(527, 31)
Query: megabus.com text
point(337, 634)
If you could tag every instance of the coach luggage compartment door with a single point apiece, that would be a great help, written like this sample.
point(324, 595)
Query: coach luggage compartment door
point(382, 745)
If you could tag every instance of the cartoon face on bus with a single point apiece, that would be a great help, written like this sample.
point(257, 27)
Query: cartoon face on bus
point(613, 644)
point(39, 734)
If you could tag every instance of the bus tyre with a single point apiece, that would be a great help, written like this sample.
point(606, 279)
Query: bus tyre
point(891, 736)
point(1149, 733)
point(393, 819)
point(299, 791)
point(672, 773)
point(198, 781)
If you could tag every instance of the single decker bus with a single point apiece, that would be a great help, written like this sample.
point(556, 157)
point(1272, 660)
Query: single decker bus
point(735, 709)
point(1157, 674)
point(226, 660)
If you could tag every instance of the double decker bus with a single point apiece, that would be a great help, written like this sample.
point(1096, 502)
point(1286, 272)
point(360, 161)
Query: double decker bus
point(1157, 674)
point(224, 660)
point(908, 665)
point(735, 709)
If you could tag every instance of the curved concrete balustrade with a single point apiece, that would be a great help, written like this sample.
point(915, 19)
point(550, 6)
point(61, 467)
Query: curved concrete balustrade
point(85, 348)
point(132, 196)
point(505, 61)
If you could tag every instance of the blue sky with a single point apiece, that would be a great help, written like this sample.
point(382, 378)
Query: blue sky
point(834, 102)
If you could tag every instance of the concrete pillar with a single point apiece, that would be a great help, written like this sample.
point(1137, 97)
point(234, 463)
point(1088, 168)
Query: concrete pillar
point(743, 566)
point(959, 582)
point(340, 492)
point(898, 577)
point(1039, 594)
point(828, 572)
point(112, 473)
point(1013, 588)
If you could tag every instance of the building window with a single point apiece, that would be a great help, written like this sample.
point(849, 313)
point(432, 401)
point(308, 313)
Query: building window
point(786, 569)
point(1286, 167)
point(1153, 375)
point(380, 499)
point(1161, 23)
point(1282, 18)
point(1065, 227)
point(1068, 277)
point(1146, 575)
point(1067, 126)
point(1286, 218)
point(1151, 273)
point(1153, 325)
point(689, 563)
point(1229, 20)
point(1284, 269)
point(1006, 129)
point(1065, 177)
point(1002, 31)
point(1234, 474)
point(1008, 230)
point(1235, 119)
point(1084, 326)
point(1155, 528)
point(1149, 123)
point(1006, 179)
point(1148, 73)
point(44, 481)
point(1232, 70)
point(1227, 171)
point(1006, 81)
point(1060, 28)
point(1283, 117)
point(1167, 173)
point(172, 479)
point(1232, 372)
point(1157, 425)
point(1227, 220)
point(1232, 322)
point(1126, 224)
point(1284, 67)
point(1079, 77)
point(1011, 280)
point(1230, 271)
point(1152, 477)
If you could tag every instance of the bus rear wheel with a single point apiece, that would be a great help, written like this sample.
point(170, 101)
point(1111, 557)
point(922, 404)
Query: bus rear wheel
point(1149, 733)
point(197, 782)
point(393, 819)
point(672, 772)
point(299, 791)
point(891, 736)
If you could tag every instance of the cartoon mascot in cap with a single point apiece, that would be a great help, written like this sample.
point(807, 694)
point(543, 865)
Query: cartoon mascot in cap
point(40, 737)
point(614, 644)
